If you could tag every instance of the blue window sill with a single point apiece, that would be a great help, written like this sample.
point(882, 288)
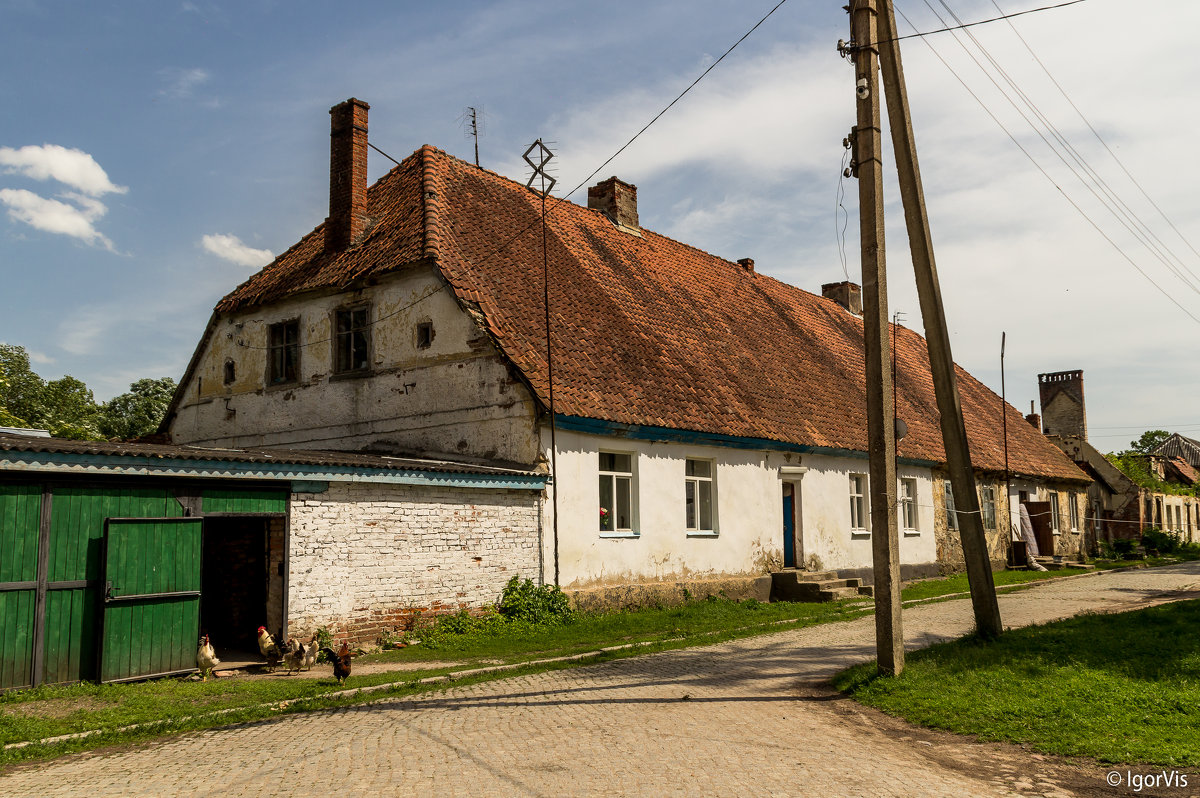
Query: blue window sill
point(703, 534)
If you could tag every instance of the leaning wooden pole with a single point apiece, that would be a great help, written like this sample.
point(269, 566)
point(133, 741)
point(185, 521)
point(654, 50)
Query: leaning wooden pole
point(941, 361)
point(881, 430)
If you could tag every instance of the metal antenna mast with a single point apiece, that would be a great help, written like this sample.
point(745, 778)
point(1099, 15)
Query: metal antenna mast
point(546, 184)
point(474, 121)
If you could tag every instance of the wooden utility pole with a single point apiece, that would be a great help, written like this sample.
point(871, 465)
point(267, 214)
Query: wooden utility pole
point(941, 362)
point(881, 432)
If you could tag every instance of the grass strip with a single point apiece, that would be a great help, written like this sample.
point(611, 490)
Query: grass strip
point(1119, 687)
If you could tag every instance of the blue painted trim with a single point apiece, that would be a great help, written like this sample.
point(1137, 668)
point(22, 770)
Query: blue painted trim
point(102, 465)
point(644, 432)
point(619, 535)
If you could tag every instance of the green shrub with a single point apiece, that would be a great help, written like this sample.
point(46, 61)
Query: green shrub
point(538, 605)
point(1162, 541)
point(1123, 548)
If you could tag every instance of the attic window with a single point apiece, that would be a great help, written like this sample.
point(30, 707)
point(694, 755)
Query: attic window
point(424, 335)
point(352, 340)
point(283, 364)
point(230, 372)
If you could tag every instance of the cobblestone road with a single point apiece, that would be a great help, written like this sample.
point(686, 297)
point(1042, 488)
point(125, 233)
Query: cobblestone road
point(753, 722)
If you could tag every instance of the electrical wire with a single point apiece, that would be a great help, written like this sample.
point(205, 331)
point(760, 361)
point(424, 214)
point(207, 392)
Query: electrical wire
point(1047, 175)
point(1096, 133)
point(971, 24)
point(1120, 210)
point(838, 209)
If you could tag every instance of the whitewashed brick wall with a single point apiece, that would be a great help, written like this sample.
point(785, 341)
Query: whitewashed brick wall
point(365, 558)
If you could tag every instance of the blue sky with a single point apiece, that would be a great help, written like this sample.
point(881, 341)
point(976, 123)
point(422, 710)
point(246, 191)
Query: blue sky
point(154, 154)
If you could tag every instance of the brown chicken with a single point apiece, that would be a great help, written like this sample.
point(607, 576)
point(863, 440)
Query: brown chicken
point(341, 662)
point(293, 657)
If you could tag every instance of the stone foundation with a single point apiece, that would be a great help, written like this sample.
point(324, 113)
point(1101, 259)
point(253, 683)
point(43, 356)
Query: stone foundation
point(669, 594)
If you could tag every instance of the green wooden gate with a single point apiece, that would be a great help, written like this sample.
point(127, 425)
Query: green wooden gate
point(20, 518)
point(151, 597)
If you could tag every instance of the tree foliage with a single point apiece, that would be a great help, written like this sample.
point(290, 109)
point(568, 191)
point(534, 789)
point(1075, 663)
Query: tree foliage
point(67, 408)
point(1149, 441)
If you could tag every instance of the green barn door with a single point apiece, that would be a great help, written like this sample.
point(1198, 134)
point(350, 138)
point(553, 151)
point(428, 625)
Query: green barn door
point(20, 519)
point(151, 597)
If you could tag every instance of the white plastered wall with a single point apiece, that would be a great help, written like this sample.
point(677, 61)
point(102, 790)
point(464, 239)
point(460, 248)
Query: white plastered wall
point(455, 398)
point(748, 535)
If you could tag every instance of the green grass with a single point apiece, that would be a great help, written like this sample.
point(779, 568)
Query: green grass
point(50, 711)
point(932, 588)
point(1120, 688)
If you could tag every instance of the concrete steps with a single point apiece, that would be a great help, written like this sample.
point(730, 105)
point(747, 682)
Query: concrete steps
point(1050, 565)
point(792, 584)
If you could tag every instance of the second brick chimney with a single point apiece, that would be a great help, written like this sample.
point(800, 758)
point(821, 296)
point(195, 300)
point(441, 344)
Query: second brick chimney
point(617, 200)
point(846, 294)
point(347, 174)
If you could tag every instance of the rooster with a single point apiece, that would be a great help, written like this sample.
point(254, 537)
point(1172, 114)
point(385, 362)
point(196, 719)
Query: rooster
point(206, 658)
point(341, 662)
point(268, 648)
point(310, 653)
point(293, 657)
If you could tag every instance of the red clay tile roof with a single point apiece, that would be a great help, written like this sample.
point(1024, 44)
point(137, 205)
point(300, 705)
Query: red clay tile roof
point(646, 330)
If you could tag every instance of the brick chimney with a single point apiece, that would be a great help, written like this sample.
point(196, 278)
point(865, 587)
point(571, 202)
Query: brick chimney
point(846, 294)
point(617, 200)
point(1062, 403)
point(1033, 418)
point(347, 174)
point(746, 263)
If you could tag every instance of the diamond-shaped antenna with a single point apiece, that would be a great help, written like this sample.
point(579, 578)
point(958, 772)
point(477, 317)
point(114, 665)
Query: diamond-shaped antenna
point(543, 156)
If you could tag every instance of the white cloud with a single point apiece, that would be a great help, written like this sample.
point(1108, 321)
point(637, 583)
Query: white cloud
point(72, 167)
point(232, 249)
point(84, 332)
point(53, 216)
point(181, 82)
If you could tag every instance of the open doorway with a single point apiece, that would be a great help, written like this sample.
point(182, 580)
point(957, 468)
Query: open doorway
point(241, 570)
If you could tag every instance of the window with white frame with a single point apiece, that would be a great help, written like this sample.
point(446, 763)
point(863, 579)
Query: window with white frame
point(1073, 510)
point(988, 506)
point(698, 495)
point(616, 492)
point(908, 505)
point(951, 510)
point(1055, 518)
point(858, 502)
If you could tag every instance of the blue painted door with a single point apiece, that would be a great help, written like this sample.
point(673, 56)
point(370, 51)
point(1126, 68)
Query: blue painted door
point(789, 529)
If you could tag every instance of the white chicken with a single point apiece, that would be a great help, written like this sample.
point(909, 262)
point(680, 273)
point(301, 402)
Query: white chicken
point(310, 652)
point(206, 658)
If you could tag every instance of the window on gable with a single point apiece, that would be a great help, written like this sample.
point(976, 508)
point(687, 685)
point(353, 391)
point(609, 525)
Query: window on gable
point(424, 335)
point(616, 492)
point(352, 340)
point(230, 372)
point(284, 352)
point(988, 506)
point(698, 495)
point(858, 502)
point(1055, 510)
point(908, 504)
point(951, 510)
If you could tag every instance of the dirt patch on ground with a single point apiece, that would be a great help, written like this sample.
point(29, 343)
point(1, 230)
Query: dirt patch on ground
point(55, 707)
point(1011, 767)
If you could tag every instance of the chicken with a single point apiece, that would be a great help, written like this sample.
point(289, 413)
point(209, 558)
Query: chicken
point(293, 657)
point(310, 653)
point(268, 648)
point(341, 662)
point(206, 658)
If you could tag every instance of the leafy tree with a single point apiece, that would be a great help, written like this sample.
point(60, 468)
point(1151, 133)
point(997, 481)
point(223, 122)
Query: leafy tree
point(138, 412)
point(1150, 440)
point(69, 409)
point(20, 387)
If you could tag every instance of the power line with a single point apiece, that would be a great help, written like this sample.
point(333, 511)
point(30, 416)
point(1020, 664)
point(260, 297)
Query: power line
point(1120, 210)
point(1046, 174)
point(1096, 133)
point(969, 24)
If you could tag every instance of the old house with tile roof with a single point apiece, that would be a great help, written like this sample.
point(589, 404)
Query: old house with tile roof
point(707, 419)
